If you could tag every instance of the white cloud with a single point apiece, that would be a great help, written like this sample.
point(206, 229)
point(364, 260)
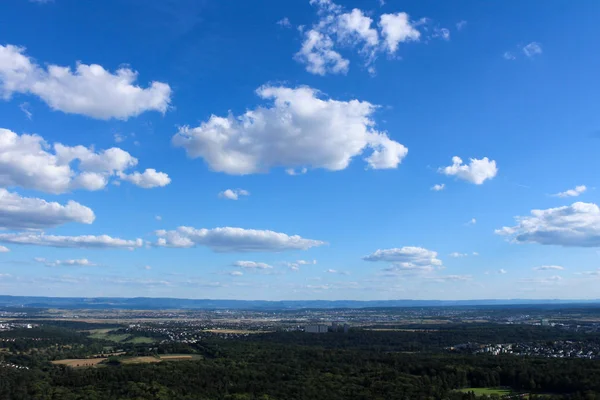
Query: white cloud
point(502, 271)
point(233, 194)
point(458, 255)
point(18, 212)
point(295, 265)
point(318, 55)
point(119, 137)
point(236, 273)
point(149, 179)
point(229, 239)
point(461, 25)
point(252, 265)
point(450, 278)
point(83, 262)
point(477, 171)
point(549, 268)
point(89, 90)
point(508, 56)
point(298, 130)
point(332, 271)
point(30, 162)
point(572, 192)
point(284, 22)
point(438, 187)
point(472, 221)
point(475, 253)
point(577, 225)
point(293, 172)
point(85, 241)
point(147, 267)
point(397, 28)
point(407, 258)
point(532, 49)
point(355, 27)
point(354, 30)
point(4, 249)
point(543, 281)
point(591, 273)
point(443, 33)
point(25, 108)
point(158, 218)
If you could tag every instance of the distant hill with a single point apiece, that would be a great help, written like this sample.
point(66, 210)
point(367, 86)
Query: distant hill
point(172, 303)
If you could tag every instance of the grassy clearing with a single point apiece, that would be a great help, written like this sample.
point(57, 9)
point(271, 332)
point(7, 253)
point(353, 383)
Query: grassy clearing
point(488, 391)
point(79, 362)
point(105, 334)
point(160, 358)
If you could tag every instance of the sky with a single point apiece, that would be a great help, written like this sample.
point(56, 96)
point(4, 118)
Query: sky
point(306, 149)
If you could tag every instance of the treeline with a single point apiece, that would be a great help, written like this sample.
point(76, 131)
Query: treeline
point(435, 339)
point(262, 370)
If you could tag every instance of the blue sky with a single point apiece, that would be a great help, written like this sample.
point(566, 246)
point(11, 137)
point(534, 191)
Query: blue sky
point(299, 144)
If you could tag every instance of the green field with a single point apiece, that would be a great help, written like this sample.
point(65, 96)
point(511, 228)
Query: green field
point(105, 334)
point(487, 391)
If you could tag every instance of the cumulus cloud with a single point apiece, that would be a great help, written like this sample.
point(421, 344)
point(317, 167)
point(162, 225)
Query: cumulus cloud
point(549, 268)
point(532, 49)
point(295, 265)
point(577, 225)
point(477, 171)
point(508, 56)
point(318, 55)
point(236, 273)
point(88, 90)
point(30, 162)
point(229, 239)
point(284, 22)
point(502, 271)
point(397, 28)
point(82, 262)
point(233, 194)
point(18, 212)
point(4, 249)
point(472, 221)
point(407, 258)
point(149, 179)
point(461, 25)
point(85, 241)
point(458, 255)
point(299, 130)
point(355, 30)
point(438, 187)
point(572, 192)
point(252, 265)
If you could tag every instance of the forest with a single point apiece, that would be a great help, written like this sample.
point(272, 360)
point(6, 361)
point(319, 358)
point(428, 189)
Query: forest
point(293, 365)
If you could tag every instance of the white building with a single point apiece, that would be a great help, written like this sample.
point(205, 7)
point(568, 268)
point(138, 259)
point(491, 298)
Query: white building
point(319, 328)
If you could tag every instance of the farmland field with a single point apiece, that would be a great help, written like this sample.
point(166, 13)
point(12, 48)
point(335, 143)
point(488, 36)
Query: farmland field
point(105, 334)
point(488, 391)
point(79, 362)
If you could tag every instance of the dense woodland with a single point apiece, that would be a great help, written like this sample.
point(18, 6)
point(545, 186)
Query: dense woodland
point(294, 365)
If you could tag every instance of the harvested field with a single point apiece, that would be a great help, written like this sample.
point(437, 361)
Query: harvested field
point(79, 362)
